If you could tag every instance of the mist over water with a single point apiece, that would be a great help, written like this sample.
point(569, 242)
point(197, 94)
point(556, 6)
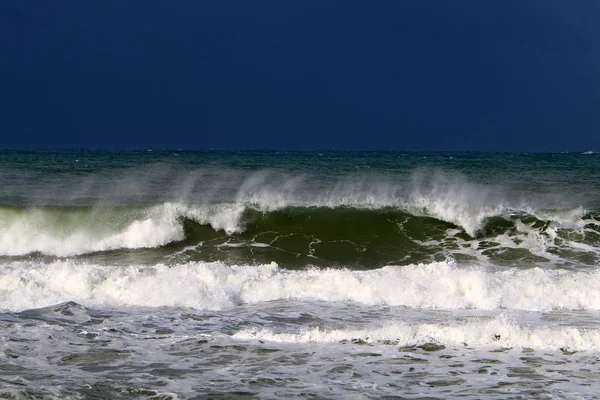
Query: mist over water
point(118, 261)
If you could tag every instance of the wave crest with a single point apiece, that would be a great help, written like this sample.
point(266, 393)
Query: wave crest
point(200, 285)
point(68, 231)
point(369, 232)
point(496, 332)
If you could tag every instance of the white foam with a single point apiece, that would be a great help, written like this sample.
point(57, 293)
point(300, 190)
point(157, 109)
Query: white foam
point(568, 218)
point(41, 230)
point(32, 234)
point(453, 198)
point(226, 217)
point(533, 240)
point(215, 286)
point(496, 332)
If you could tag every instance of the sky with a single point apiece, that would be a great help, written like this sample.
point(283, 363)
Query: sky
point(466, 75)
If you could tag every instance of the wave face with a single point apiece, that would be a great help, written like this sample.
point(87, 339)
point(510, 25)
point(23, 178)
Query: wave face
point(300, 235)
point(376, 208)
point(358, 210)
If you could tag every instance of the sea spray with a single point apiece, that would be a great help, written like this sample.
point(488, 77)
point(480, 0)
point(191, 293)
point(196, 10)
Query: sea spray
point(295, 274)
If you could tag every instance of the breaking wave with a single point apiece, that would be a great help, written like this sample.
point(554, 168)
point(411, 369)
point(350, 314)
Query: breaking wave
point(68, 231)
point(217, 286)
point(293, 220)
point(497, 332)
point(298, 234)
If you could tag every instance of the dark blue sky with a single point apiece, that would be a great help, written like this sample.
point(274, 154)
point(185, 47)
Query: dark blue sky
point(402, 75)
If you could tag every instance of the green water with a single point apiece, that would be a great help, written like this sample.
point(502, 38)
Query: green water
point(344, 209)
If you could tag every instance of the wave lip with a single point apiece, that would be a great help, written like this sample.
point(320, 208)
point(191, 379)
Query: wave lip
point(217, 286)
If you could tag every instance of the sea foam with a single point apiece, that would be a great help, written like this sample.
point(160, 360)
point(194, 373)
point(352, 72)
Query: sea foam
point(67, 233)
point(496, 332)
point(215, 286)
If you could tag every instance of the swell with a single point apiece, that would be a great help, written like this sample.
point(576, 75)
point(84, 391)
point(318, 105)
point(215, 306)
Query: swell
point(298, 235)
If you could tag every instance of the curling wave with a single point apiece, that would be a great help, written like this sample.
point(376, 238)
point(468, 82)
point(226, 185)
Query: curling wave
point(300, 235)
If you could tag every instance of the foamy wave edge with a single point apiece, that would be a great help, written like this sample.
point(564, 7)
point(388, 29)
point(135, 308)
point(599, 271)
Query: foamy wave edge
point(496, 332)
point(217, 286)
point(154, 227)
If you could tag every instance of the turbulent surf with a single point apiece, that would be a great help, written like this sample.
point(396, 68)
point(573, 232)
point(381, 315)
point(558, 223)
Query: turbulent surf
point(150, 268)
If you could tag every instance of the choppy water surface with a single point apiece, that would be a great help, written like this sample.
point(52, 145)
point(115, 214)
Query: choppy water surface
point(323, 275)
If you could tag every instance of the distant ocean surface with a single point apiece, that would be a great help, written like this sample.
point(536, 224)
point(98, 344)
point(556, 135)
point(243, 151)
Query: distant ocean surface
point(232, 274)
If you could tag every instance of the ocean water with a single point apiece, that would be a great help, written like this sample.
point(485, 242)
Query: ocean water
point(355, 275)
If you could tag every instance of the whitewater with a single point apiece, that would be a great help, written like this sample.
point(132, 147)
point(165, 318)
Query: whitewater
point(307, 274)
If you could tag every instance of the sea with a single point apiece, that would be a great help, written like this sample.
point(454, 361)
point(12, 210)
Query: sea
point(299, 274)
